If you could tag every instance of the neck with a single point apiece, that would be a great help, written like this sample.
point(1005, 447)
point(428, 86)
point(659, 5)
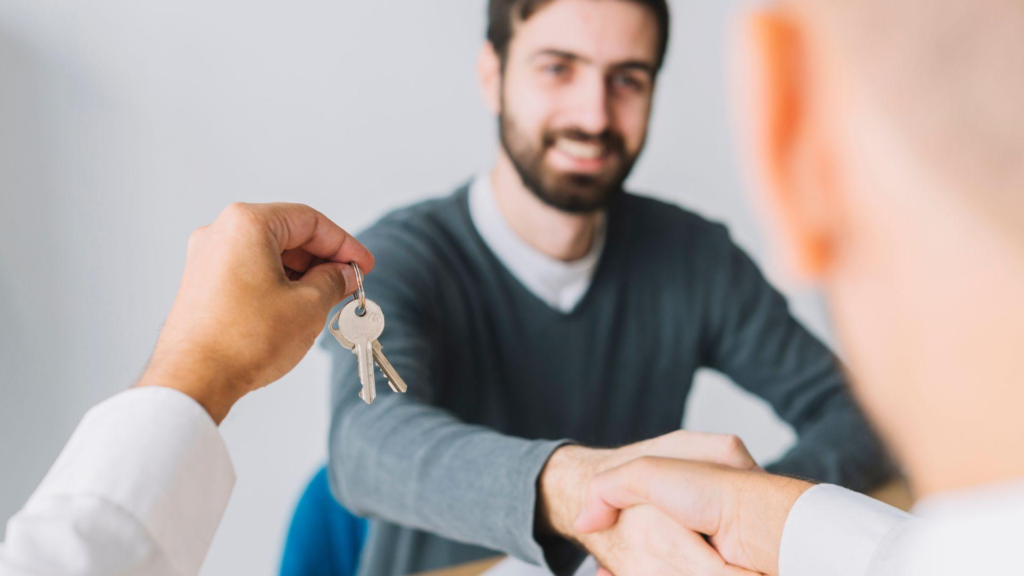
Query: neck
point(957, 369)
point(560, 235)
point(972, 461)
point(973, 435)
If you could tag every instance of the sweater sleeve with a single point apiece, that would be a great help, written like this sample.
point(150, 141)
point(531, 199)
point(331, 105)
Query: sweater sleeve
point(753, 339)
point(406, 460)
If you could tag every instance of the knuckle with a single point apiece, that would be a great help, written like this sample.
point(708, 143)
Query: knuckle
point(235, 209)
point(239, 214)
point(196, 240)
point(646, 463)
point(642, 469)
point(649, 468)
point(196, 237)
point(337, 278)
point(318, 300)
point(732, 444)
point(736, 452)
point(681, 435)
point(674, 438)
point(307, 298)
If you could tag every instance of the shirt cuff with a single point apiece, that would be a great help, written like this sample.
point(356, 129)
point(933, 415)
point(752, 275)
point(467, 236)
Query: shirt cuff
point(158, 455)
point(835, 531)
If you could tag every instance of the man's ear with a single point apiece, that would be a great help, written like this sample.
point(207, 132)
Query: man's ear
point(488, 69)
point(791, 158)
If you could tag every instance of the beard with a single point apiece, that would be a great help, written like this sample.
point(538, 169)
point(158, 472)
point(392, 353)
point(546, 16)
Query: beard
point(574, 193)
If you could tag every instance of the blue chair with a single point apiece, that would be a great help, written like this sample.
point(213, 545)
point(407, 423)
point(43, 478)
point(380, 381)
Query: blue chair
point(324, 538)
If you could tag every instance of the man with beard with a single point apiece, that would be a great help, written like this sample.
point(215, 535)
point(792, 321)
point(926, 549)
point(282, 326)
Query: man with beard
point(541, 309)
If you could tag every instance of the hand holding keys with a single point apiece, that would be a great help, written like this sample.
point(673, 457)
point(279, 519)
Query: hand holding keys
point(359, 324)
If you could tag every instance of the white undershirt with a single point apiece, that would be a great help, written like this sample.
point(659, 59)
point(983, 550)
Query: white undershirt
point(561, 285)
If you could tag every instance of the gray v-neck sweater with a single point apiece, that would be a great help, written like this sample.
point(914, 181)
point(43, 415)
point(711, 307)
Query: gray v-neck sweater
point(498, 380)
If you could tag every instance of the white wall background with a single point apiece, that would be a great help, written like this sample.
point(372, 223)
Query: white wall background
point(125, 124)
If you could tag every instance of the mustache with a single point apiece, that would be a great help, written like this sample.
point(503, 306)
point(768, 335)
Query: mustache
point(609, 139)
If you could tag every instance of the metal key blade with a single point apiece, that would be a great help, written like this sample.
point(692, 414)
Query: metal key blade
point(364, 358)
point(361, 331)
point(394, 380)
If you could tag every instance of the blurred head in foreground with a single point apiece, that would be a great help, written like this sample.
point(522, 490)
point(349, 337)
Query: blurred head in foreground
point(887, 138)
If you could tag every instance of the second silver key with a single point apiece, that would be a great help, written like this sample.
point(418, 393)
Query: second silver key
point(394, 380)
point(362, 331)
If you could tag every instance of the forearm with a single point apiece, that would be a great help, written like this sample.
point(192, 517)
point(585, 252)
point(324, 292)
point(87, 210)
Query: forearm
point(410, 463)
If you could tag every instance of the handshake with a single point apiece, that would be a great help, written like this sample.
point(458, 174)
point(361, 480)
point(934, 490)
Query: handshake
point(257, 286)
point(684, 503)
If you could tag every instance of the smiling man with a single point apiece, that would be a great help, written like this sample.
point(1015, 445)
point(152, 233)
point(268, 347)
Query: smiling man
point(542, 302)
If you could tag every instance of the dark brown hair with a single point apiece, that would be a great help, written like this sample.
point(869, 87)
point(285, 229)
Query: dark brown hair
point(504, 14)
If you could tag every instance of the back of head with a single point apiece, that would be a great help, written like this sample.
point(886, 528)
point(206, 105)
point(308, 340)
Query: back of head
point(924, 242)
point(948, 75)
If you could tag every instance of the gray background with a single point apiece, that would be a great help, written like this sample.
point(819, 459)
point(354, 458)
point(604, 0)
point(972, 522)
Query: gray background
point(124, 125)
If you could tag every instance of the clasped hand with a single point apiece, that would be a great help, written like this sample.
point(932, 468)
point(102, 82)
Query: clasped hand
point(693, 505)
point(684, 503)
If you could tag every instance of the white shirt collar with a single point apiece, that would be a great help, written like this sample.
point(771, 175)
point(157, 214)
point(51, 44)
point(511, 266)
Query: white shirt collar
point(561, 285)
point(987, 499)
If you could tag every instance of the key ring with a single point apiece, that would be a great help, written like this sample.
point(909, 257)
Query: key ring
point(360, 291)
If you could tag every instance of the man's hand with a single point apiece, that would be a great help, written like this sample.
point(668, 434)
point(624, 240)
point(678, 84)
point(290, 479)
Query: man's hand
point(743, 512)
point(257, 288)
point(563, 482)
point(645, 541)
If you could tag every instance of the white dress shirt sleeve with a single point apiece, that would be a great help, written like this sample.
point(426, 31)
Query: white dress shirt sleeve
point(140, 488)
point(835, 531)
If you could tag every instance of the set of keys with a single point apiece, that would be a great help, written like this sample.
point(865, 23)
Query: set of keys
point(356, 327)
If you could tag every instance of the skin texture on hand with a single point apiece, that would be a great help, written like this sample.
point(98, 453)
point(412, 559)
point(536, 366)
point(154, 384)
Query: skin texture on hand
point(646, 541)
point(257, 287)
point(743, 512)
point(642, 539)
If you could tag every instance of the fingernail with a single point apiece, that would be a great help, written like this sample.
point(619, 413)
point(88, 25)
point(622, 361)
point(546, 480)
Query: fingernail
point(580, 517)
point(350, 279)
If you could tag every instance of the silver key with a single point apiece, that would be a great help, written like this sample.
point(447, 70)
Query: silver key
point(347, 328)
point(394, 380)
point(362, 331)
point(336, 331)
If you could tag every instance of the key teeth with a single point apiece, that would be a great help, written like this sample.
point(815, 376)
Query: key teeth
point(391, 384)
